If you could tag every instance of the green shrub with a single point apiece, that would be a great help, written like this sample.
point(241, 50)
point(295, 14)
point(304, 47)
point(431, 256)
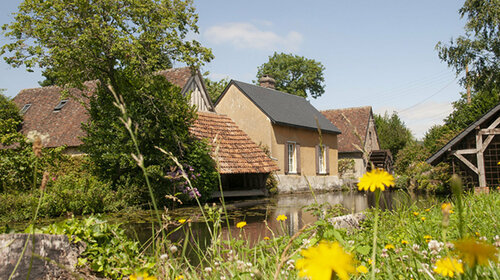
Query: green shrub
point(108, 252)
point(78, 194)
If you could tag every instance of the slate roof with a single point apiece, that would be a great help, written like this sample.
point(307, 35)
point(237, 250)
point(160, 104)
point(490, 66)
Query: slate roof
point(63, 127)
point(283, 108)
point(434, 159)
point(236, 152)
point(353, 122)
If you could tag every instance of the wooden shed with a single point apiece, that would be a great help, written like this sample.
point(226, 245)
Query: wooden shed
point(474, 153)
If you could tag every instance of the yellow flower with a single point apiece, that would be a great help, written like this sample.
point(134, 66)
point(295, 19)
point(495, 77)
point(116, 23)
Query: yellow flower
point(241, 224)
point(427, 237)
point(389, 247)
point(142, 276)
point(266, 237)
point(415, 213)
point(451, 211)
point(446, 208)
point(375, 179)
point(449, 267)
point(475, 252)
point(370, 261)
point(362, 269)
point(423, 219)
point(182, 221)
point(427, 210)
point(179, 277)
point(322, 260)
point(281, 218)
point(477, 233)
point(404, 242)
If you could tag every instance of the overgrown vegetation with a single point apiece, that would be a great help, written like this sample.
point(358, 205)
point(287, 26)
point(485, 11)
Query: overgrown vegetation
point(410, 242)
point(162, 118)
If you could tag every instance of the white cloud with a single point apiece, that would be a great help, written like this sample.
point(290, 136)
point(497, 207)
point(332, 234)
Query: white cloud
point(420, 118)
point(247, 35)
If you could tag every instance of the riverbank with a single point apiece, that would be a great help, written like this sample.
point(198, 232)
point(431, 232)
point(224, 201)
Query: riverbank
point(411, 240)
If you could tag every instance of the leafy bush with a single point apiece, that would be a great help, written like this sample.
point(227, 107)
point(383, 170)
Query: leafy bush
point(410, 154)
point(74, 193)
point(425, 177)
point(109, 252)
point(79, 195)
point(18, 163)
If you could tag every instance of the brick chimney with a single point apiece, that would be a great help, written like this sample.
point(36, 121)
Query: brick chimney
point(267, 82)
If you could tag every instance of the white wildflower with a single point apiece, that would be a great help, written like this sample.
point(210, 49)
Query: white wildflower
point(384, 253)
point(415, 247)
point(173, 249)
point(435, 246)
point(208, 269)
point(164, 257)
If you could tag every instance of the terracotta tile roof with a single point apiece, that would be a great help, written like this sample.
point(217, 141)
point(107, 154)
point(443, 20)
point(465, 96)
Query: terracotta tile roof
point(236, 152)
point(350, 121)
point(177, 76)
point(63, 127)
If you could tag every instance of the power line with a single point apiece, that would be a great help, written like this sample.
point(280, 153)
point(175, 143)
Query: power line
point(432, 95)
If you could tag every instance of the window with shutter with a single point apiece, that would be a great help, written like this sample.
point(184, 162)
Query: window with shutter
point(291, 158)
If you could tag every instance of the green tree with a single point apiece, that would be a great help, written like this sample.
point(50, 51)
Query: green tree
point(215, 88)
point(465, 113)
point(437, 136)
point(121, 43)
point(9, 110)
point(392, 132)
point(77, 41)
point(162, 117)
point(295, 74)
point(479, 47)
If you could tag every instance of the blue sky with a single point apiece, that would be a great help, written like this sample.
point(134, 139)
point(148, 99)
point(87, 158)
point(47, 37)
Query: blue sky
point(377, 53)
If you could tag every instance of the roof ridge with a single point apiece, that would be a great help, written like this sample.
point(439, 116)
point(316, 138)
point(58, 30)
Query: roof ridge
point(278, 91)
point(340, 109)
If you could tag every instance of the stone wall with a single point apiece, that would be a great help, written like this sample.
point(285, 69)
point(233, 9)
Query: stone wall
point(297, 183)
point(62, 253)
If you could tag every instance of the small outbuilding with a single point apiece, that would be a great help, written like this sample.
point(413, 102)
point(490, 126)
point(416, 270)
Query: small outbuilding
point(474, 153)
point(359, 140)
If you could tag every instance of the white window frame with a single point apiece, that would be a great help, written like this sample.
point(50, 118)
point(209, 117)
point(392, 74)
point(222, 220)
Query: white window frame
point(322, 159)
point(292, 157)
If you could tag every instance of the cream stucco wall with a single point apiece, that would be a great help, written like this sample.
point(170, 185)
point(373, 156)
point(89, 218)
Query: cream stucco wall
point(308, 139)
point(259, 128)
point(247, 116)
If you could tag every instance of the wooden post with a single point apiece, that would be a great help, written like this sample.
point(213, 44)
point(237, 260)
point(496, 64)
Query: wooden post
point(480, 159)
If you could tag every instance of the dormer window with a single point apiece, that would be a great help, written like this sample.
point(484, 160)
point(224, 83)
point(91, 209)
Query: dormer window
point(60, 105)
point(25, 108)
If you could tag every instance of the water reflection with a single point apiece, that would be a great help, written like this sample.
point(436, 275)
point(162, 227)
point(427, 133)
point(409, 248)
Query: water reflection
point(260, 214)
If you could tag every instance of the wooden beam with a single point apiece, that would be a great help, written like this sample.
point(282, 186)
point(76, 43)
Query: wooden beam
point(466, 162)
point(487, 142)
point(495, 123)
point(488, 131)
point(466, 151)
point(480, 160)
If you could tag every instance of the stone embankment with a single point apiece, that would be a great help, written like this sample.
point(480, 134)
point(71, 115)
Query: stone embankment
point(54, 257)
